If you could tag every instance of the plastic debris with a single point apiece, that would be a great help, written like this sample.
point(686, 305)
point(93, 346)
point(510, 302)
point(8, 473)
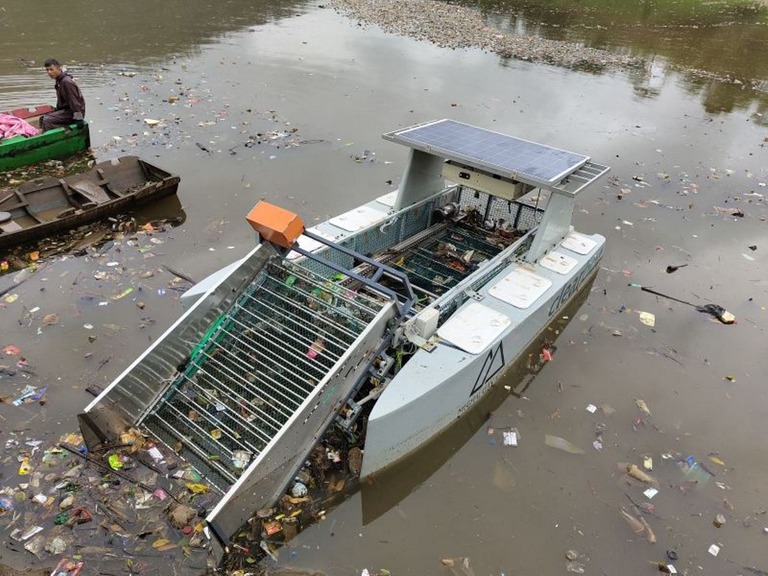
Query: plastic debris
point(649, 534)
point(643, 407)
point(648, 319)
point(716, 460)
point(123, 294)
point(11, 350)
point(316, 348)
point(241, 458)
point(6, 503)
point(299, 490)
point(56, 545)
point(67, 567)
point(638, 474)
point(24, 466)
point(562, 444)
point(196, 487)
point(648, 463)
point(115, 462)
point(50, 319)
point(694, 471)
point(67, 502)
point(511, 437)
point(30, 394)
point(634, 523)
point(575, 567)
point(22, 535)
point(35, 545)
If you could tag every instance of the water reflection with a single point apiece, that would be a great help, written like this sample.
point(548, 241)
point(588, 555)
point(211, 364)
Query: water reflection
point(718, 43)
point(95, 39)
point(688, 33)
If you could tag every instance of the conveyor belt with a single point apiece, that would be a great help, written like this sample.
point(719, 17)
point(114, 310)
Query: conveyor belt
point(255, 366)
point(443, 260)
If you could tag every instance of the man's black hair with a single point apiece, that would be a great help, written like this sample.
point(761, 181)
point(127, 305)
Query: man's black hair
point(51, 62)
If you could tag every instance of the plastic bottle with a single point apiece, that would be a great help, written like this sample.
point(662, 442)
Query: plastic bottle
point(695, 472)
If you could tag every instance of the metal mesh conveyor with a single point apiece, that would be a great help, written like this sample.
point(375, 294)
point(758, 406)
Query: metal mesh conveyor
point(444, 259)
point(255, 367)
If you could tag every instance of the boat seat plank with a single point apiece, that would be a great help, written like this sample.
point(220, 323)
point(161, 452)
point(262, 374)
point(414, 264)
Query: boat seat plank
point(106, 184)
point(9, 226)
point(91, 191)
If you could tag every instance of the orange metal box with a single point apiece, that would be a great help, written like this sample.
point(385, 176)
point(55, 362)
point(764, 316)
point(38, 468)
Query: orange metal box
point(275, 224)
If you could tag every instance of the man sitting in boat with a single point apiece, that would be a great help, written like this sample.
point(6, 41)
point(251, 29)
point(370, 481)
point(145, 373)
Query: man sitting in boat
point(70, 104)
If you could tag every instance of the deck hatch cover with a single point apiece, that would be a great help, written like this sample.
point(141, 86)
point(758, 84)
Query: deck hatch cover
point(474, 328)
point(481, 148)
point(520, 288)
point(578, 243)
point(558, 262)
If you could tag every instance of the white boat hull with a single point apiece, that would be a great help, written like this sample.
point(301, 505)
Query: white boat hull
point(435, 388)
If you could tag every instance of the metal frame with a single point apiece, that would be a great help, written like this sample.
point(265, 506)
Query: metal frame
point(381, 270)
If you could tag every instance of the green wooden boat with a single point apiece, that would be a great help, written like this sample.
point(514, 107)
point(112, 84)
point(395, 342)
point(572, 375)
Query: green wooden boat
point(51, 145)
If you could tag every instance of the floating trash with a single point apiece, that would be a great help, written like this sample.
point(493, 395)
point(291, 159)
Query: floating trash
point(562, 444)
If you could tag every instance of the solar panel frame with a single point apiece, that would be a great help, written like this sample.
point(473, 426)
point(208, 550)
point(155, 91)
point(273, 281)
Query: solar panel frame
point(485, 149)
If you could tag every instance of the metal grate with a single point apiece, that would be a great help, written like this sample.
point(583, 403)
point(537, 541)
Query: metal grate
point(256, 366)
point(446, 258)
point(516, 215)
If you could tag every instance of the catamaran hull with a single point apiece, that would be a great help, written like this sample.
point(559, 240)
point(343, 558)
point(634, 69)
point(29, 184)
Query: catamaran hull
point(436, 388)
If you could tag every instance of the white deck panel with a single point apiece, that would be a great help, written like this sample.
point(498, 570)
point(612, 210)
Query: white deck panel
point(359, 218)
point(474, 328)
point(558, 262)
point(388, 199)
point(578, 243)
point(309, 244)
point(520, 288)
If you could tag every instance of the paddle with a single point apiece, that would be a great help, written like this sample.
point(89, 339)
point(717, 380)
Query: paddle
point(713, 310)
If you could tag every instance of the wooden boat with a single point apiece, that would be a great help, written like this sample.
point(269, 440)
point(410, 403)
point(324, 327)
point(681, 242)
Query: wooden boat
point(51, 145)
point(40, 208)
point(390, 321)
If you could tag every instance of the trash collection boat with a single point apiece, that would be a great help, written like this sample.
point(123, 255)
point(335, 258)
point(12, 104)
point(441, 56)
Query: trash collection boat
point(388, 321)
point(50, 145)
point(42, 207)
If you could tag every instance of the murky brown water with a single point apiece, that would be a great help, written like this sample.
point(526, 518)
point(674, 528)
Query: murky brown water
point(679, 146)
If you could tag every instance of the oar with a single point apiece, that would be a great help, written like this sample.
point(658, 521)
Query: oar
point(714, 310)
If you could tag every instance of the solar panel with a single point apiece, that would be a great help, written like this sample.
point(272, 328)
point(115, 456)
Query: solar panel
point(499, 153)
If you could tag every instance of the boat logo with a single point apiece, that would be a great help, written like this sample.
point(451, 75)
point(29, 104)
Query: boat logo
point(493, 365)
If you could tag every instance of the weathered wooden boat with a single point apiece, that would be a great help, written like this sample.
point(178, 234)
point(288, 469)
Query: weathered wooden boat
point(51, 145)
point(42, 207)
point(389, 321)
